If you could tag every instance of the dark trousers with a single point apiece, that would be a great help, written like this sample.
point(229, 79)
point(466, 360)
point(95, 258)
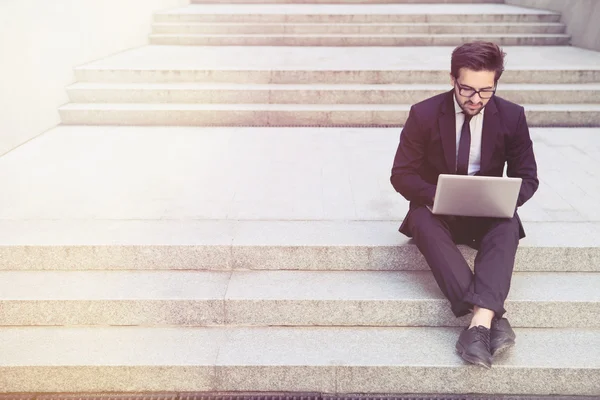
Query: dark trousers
point(496, 240)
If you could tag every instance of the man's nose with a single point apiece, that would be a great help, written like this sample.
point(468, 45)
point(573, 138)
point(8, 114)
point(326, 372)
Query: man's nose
point(476, 98)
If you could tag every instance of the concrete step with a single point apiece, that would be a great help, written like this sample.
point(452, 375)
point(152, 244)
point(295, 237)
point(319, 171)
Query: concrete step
point(331, 360)
point(314, 93)
point(54, 243)
point(357, 40)
point(343, 1)
point(276, 75)
point(356, 13)
point(183, 174)
point(280, 298)
point(362, 29)
point(331, 65)
point(170, 114)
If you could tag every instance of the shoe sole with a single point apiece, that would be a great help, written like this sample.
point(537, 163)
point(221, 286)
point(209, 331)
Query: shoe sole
point(504, 346)
point(470, 359)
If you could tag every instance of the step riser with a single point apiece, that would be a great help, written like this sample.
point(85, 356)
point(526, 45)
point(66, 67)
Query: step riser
point(303, 378)
point(283, 313)
point(357, 18)
point(291, 118)
point(357, 29)
point(227, 258)
point(227, 96)
point(323, 77)
point(350, 41)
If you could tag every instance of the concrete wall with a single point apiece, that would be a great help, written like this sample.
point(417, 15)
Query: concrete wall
point(581, 16)
point(41, 41)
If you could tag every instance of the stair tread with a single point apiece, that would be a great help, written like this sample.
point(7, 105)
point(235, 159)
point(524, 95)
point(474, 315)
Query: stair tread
point(291, 107)
point(181, 232)
point(315, 86)
point(349, 9)
point(283, 346)
point(373, 24)
point(295, 58)
point(300, 286)
point(102, 172)
point(406, 35)
point(274, 359)
point(350, 35)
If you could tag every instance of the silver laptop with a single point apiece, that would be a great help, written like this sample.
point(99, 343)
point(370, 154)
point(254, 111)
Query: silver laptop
point(476, 196)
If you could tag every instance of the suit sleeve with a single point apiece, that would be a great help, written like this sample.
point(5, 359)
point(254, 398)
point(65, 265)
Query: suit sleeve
point(409, 158)
point(521, 160)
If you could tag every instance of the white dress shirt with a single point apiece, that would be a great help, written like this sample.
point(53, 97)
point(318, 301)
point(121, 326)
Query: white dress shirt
point(476, 126)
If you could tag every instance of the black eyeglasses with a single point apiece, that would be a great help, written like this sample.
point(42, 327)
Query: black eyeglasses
point(470, 92)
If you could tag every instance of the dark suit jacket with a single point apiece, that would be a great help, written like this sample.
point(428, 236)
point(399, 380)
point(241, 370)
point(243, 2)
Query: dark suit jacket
point(428, 148)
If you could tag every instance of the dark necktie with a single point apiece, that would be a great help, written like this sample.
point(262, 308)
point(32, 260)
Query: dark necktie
point(464, 148)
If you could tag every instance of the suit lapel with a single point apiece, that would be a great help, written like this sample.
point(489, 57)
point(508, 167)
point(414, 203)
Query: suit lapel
point(489, 134)
point(447, 127)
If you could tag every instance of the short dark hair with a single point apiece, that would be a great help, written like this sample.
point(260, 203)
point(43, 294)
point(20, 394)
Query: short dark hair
point(478, 56)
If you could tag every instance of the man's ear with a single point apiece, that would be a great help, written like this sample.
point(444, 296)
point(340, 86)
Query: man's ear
point(452, 80)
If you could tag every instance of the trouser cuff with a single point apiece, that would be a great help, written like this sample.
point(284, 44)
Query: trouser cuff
point(461, 308)
point(475, 299)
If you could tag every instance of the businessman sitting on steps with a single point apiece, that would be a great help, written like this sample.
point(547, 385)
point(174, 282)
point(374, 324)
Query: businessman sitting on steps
point(468, 131)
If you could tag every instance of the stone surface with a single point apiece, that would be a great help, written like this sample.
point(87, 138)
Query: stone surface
point(112, 298)
point(356, 13)
point(579, 15)
point(266, 245)
point(113, 312)
point(74, 222)
point(357, 28)
point(115, 256)
point(294, 115)
point(331, 65)
point(337, 360)
point(343, 1)
point(357, 40)
point(111, 378)
point(86, 173)
point(540, 381)
point(366, 76)
point(280, 298)
point(208, 93)
point(123, 346)
point(408, 298)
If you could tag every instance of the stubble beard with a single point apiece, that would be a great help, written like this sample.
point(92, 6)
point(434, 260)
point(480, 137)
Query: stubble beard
point(469, 111)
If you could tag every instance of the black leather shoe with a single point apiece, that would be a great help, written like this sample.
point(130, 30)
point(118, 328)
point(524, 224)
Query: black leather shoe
point(473, 345)
point(502, 336)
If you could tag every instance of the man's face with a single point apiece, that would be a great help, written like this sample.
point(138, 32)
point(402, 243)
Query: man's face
point(469, 80)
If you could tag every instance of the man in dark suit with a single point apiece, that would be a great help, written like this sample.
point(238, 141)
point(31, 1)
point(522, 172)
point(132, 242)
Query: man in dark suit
point(467, 130)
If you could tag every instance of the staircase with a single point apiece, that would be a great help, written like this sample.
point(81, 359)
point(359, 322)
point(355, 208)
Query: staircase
point(219, 218)
point(355, 25)
point(272, 65)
